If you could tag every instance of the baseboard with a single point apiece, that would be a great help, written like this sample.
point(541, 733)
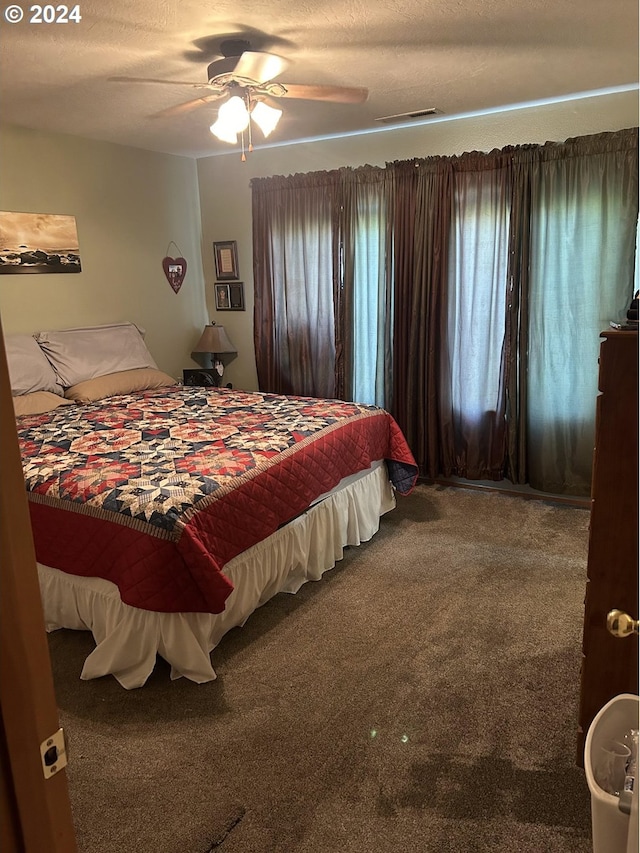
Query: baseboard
point(513, 491)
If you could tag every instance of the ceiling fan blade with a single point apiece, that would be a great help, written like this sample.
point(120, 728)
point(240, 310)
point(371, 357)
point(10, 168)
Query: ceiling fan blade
point(259, 67)
point(270, 102)
point(164, 82)
point(337, 94)
point(188, 106)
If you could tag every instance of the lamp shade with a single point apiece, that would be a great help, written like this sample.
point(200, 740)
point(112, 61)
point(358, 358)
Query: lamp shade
point(223, 133)
point(265, 117)
point(233, 114)
point(214, 339)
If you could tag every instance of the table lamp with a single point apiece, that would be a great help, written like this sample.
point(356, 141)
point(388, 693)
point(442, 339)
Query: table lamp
point(215, 341)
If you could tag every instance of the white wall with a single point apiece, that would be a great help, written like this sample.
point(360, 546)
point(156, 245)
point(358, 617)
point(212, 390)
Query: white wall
point(129, 204)
point(225, 195)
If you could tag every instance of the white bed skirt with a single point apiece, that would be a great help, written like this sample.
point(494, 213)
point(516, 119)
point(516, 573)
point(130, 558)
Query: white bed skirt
point(128, 638)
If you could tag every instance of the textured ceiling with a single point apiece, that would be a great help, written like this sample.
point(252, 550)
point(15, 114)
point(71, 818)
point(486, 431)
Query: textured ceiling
point(458, 56)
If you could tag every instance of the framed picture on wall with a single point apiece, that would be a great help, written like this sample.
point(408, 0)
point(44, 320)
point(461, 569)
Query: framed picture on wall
point(229, 297)
point(38, 243)
point(226, 258)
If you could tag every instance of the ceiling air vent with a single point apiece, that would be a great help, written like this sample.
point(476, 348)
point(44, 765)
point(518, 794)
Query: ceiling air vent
point(414, 114)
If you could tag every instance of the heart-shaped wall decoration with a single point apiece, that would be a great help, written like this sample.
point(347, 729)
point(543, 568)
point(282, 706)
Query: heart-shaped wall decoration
point(175, 270)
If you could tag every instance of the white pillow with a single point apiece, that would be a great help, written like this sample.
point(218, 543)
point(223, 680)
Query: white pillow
point(80, 354)
point(29, 370)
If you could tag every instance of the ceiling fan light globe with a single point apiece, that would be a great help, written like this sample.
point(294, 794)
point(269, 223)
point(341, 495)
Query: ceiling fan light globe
point(265, 117)
point(233, 113)
point(223, 132)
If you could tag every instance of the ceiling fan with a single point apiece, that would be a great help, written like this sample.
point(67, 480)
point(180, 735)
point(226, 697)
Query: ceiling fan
point(245, 79)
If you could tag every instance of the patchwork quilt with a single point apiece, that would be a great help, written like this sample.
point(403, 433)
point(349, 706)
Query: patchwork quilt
point(156, 491)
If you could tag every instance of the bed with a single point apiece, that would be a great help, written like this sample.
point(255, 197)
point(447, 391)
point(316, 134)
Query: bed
point(164, 515)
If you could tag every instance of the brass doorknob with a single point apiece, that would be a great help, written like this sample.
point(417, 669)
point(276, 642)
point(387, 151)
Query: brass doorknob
point(620, 624)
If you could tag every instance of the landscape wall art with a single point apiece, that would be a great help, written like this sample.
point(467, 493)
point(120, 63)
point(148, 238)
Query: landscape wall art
point(38, 243)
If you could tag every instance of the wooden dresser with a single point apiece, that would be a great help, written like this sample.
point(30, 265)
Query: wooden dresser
point(609, 664)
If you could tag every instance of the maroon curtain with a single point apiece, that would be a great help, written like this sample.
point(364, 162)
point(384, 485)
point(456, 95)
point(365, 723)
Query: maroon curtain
point(421, 223)
point(296, 267)
point(305, 231)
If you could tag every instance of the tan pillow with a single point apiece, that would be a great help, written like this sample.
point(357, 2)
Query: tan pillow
point(123, 382)
point(37, 403)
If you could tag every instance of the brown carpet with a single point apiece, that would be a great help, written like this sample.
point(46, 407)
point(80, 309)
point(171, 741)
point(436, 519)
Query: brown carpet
point(421, 697)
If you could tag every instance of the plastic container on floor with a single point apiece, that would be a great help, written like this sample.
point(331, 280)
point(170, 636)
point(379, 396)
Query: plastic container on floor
point(613, 831)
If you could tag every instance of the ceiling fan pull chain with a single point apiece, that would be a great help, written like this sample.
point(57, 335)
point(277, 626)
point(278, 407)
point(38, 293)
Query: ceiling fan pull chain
point(244, 156)
point(249, 128)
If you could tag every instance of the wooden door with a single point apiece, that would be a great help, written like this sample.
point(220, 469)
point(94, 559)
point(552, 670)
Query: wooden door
point(609, 664)
point(35, 811)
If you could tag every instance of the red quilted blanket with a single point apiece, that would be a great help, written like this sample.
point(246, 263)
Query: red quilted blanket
point(156, 491)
